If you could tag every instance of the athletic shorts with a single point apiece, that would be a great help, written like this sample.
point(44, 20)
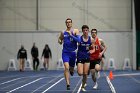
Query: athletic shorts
point(93, 63)
point(82, 61)
point(69, 57)
point(103, 56)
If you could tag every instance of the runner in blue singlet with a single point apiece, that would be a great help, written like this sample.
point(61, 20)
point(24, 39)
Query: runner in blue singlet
point(83, 55)
point(69, 38)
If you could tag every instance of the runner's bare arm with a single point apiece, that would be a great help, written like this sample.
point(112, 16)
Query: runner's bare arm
point(60, 38)
point(76, 35)
point(103, 46)
point(92, 49)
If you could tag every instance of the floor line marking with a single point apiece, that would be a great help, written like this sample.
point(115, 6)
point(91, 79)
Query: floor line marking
point(137, 81)
point(24, 85)
point(9, 81)
point(16, 79)
point(47, 83)
point(77, 86)
point(53, 85)
point(14, 84)
point(79, 89)
point(131, 74)
point(8, 77)
point(110, 84)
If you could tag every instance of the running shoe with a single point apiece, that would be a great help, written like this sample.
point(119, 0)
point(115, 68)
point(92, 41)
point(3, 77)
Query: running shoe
point(95, 86)
point(83, 89)
point(68, 87)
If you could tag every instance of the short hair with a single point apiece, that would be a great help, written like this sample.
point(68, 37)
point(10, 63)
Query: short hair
point(68, 19)
point(46, 45)
point(85, 26)
point(95, 30)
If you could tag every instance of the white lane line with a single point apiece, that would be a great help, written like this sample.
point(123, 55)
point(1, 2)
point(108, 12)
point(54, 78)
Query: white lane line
point(8, 76)
point(79, 89)
point(47, 83)
point(77, 86)
point(39, 75)
point(137, 81)
point(111, 85)
point(131, 74)
point(9, 81)
point(16, 79)
point(52, 85)
point(9, 85)
point(24, 85)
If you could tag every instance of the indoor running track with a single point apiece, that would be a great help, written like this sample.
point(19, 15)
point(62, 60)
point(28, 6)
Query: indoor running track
point(54, 82)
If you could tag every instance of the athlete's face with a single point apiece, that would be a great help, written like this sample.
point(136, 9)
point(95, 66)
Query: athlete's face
point(85, 31)
point(94, 34)
point(69, 23)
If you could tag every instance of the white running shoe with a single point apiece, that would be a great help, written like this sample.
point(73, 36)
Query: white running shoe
point(85, 85)
point(83, 89)
point(95, 86)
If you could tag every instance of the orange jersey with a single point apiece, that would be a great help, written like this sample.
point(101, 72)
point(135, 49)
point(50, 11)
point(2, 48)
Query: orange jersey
point(95, 55)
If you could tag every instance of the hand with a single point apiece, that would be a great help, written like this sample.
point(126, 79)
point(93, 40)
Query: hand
point(60, 41)
point(92, 49)
point(100, 55)
point(69, 32)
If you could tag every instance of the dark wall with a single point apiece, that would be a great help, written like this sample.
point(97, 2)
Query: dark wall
point(137, 14)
